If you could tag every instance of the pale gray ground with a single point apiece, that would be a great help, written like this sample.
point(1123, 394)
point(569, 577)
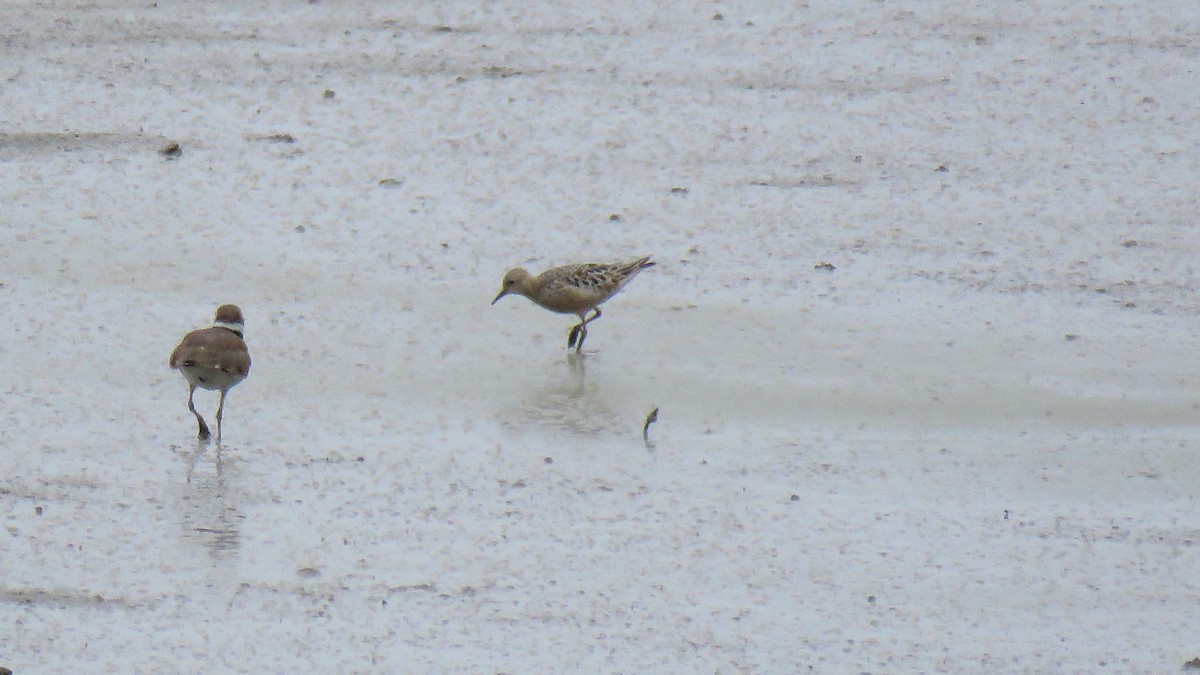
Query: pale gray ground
point(968, 447)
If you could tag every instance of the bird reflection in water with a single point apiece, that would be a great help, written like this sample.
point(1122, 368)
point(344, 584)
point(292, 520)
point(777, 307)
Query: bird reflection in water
point(574, 403)
point(208, 517)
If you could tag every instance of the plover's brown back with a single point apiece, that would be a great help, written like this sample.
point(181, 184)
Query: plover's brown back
point(212, 358)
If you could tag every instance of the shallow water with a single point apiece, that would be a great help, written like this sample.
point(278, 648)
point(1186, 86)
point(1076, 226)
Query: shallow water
point(921, 336)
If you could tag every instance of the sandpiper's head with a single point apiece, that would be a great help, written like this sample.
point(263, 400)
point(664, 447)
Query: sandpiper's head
point(514, 282)
point(230, 316)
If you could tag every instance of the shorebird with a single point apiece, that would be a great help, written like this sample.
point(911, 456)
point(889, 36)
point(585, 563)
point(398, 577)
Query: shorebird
point(573, 289)
point(213, 358)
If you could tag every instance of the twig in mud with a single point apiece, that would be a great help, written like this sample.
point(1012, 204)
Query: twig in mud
point(650, 419)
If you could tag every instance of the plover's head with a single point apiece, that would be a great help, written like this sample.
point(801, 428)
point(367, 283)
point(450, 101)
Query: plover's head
point(514, 282)
point(230, 316)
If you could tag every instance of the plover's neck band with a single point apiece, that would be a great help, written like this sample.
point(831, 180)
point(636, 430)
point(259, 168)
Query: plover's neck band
point(235, 327)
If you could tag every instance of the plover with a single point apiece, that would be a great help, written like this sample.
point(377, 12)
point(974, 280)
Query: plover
point(573, 289)
point(213, 358)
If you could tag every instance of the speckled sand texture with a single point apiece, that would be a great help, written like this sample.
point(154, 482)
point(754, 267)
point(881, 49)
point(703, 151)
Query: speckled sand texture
point(923, 335)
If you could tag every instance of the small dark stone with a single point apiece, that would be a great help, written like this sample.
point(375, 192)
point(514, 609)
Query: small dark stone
point(299, 228)
point(795, 498)
point(718, 17)
point(679, 191)
point(614, 218)
point(1071, 337)
point(328, 93)
point(38, 510)
point(871, 599)
point(171, 150)
point(824, 266)
point(1129, 243)
point(548, 460)
point(942, 168)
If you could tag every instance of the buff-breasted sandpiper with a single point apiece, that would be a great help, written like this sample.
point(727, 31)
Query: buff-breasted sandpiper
point(573, 289)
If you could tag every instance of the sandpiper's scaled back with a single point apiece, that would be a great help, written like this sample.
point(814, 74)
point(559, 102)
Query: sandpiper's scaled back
point(573, 289)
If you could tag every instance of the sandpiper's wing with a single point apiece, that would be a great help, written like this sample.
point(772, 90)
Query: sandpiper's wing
point(602, 279)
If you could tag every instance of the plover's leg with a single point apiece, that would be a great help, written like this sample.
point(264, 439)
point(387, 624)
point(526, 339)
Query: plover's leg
point(220, 413)
point(203, 433)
